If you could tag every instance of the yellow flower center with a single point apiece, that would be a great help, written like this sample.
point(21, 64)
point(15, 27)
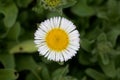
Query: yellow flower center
point(52, 3)
point(57, 39)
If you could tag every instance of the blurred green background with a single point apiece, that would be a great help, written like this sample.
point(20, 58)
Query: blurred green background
point(98, 22)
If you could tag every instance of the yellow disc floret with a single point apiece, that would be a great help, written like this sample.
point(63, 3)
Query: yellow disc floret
point(52, 3)
point(57, 39)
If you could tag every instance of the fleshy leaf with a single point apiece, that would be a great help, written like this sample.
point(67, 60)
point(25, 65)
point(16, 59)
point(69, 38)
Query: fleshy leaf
point(95, 74)
point(44, 72)
point(109, 69)
point(14, 32)
point(82, 10)
point(112, 35)
point(25, 62)
point(7, 60)
point(23, 3)
point(26, 46)
point(60, 73)
point(86, 45)
point(10, 11)
point(7, 74)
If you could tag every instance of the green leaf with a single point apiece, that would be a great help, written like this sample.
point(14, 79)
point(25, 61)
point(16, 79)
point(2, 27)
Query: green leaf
point(68, 78)
point(23, 3)
point(118, 73)
point(84, 58)
point(10, 11)
point(60, 73)
point(86, 44)
point(7, 60)
point(52, 14)
point(26, 46)
point(31, 76)
point(25, 62)
point(14, 32)
point(102, 15)
point(109, 69)
point(44, 72)
point(93, 33)
point(7, 74)
point(82, 10)
point(102, 37)
point(95, 74)
point(104, 49)
point(112, 35)
point(69, 3)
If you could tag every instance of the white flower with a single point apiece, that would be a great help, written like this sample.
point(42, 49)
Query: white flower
point(57, 39)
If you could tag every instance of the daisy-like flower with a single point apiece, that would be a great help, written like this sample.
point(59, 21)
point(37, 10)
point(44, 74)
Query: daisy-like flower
point(57, 39)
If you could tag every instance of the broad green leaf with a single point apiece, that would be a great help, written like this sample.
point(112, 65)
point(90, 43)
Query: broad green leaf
point(93, 33)
point(44, 72)
point(7, 74)
point(102, 15)
point(7, 60)
point(82, 10)
point(31, 76)
point(68, 78)
point(10, 12)
point(52, 14)
point(102, 37)
point(86, 44)
point(59, 73)
point(14, 32)
point(84, 58)
point(26, 46)
point(104, 49)
point(118, 73)
point(25, 62)
point(112, 35)
point(69, 3)
point(23, 3)
point(109, 69)
point(95, 74)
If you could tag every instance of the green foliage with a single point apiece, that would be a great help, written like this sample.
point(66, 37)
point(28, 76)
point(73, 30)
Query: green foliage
point(98, 22)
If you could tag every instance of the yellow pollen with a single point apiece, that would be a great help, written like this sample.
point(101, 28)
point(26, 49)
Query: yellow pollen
point(57, 39)
point(52, 3)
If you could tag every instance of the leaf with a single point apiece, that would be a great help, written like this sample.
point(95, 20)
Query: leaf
point(69, 3)
point(84, 58)
point(7, 60)
point(59, 73)
point(82, 10)
point(112, 35)
point(118, 73)
point(86, 44)
point(109, 69)
point(68, 78)
point(24, 47)
point(7, 74)
point(14, 32)
point(44, 72)
point(95, 74)
point(31, 76)
point(23, 3)
point(10, 11)
point(25, 62)
point(104, 49)
point(102, 37)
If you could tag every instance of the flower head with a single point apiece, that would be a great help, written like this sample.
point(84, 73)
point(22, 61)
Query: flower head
point(52, 4)
point(57, 39)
